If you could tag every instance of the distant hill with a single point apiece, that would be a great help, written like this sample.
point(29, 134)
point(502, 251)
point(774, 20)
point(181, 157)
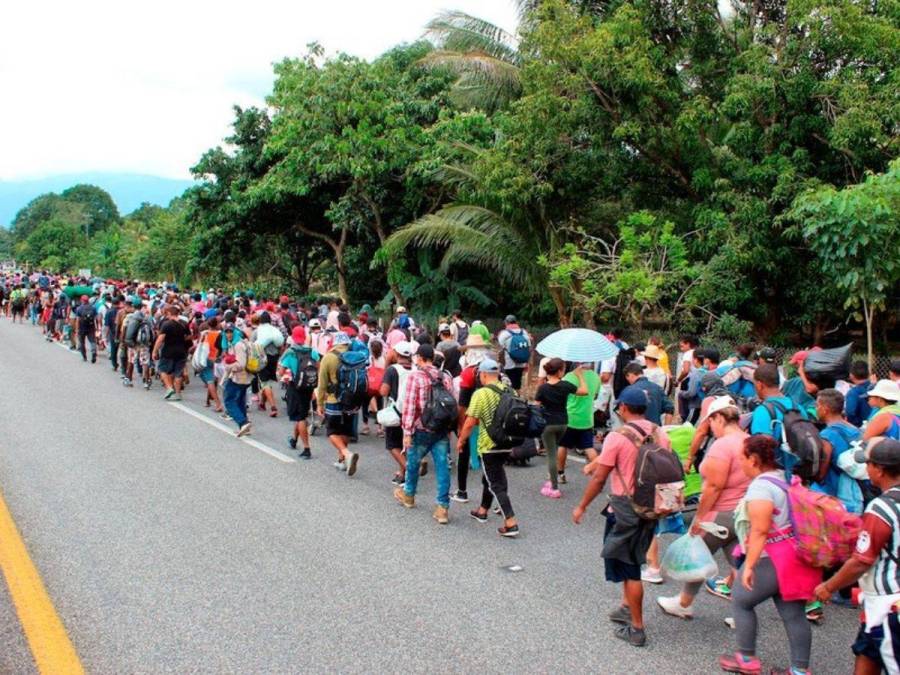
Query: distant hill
point(127, 190)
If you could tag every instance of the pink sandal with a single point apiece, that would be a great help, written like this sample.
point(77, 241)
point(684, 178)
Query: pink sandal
point(738, 663)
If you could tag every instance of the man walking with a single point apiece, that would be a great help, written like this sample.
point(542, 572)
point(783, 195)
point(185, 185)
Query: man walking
point(429, 413)
point(171, 350)
point(87, 328)
point(338, 421)
point(516, 345)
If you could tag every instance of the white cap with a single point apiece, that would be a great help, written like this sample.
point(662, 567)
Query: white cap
point(403, 349)
point(401, 310)
point(719, 404)
point(886, 389)
point(444, 328)
point(314, 323)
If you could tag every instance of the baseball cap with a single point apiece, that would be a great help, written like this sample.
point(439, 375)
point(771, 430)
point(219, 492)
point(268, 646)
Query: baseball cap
point(488, 366)
point(719, 404)
point(341, 338)
point(298, 335)
point(425, 352)
point(510, 318)
point(632, 396)
point(137, 302)
point(767, 354)
point(84, 298)
point(886, 389)
point(884, 451)
point(403, 349)
point(314, 323)
point(444, 328)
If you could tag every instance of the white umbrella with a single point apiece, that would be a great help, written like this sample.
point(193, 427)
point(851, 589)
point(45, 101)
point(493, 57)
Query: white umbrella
point(578, 345)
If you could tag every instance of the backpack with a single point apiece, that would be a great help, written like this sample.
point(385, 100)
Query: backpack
point(462, 333)
point(256, 357)
point(441, 412)
point(353, 381)
point(519, 349)
point(658, 476)
point(800, 442)
point(375, 376)
point(144, 334)
point(88, 316)
point(825, 531)
point(623, 358)
point(510, 424)
point(307, 377)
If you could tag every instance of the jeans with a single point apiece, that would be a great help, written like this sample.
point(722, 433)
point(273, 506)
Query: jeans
point(438, 445)
point(236, 401)
point(114, 353)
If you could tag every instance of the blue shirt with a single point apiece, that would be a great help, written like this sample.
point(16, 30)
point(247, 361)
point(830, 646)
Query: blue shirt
point(840, 436)
point(762, 422)
point(796, 391)
point(657, 402)
point(856, 403)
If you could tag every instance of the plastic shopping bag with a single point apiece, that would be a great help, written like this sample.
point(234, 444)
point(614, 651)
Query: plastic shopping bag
point(688, 559)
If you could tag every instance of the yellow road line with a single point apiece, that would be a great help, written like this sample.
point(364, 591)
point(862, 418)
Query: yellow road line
point(50, 645)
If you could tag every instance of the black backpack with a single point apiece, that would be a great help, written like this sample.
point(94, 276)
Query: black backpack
point(307, 374)
point(799, 437)
point(512, 419)
point(441, 411)
point(623, 358)
point(658, 476)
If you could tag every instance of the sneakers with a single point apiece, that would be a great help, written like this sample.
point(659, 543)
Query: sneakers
point(441, 514)
point(814, 611)
point(636, 637)
point(460, 496)
point(146, 386)
point(481, 518)
point(399, 480)
point(127, 382)
point(549, 491)
point(244, 430)
point(176, 397)
point(738, 663)
point(620, 614)
point(169, 394)
point(651, 575)
point(406, 500)
point(561, 478)
point(292, 442)
point(509, 532)
point(93, 358)
point(672, 606)
point(353, 460)
point(718, 587)
point(306, 454)
point(340, 466)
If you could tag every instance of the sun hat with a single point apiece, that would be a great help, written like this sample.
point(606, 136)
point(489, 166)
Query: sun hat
point(403, 349)
point(475, 340)
point(886, 389)
point(653, 352)
point(401, 310)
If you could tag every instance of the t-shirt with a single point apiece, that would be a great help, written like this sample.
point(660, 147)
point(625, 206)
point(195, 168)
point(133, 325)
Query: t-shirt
point(729, 450)
point(856, 403)
point(554, 398)
point(482, 407)
point(580, 409)
point(86, 315)
point(621, 454)
point(175, 344)
point(763, 490)
point(795, 390)
point(761, 421)
point(840, 436)
point(391, 378)
point(504, 339)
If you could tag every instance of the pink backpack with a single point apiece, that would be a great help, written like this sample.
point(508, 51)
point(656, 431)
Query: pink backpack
point(825, 531)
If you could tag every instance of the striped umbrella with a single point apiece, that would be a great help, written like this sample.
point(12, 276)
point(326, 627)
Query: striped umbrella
point(579, 345)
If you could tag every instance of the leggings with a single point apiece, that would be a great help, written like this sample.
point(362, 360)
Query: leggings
point(550, 437)
point(493, 480)
point(793, 614)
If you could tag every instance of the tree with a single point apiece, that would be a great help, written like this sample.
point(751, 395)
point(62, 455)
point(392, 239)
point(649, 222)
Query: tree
point(55, 244)
point(853, 232)
point(99, 209)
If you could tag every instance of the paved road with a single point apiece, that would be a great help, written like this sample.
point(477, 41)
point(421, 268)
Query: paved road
point(169, 546)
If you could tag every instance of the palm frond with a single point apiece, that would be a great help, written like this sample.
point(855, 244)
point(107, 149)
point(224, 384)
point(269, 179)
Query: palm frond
point(460, 32)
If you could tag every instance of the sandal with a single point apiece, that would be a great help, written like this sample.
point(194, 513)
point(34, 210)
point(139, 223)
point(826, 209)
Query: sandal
point(274, 412)
point(735, 662)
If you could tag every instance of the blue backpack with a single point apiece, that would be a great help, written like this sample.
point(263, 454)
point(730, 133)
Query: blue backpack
point(519, 349)
point(353, 381)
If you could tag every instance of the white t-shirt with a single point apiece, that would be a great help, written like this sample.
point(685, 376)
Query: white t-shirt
point(503, 339)
point(609, 366)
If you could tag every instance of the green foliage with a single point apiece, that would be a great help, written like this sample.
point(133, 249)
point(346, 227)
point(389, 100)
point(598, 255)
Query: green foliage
point(99, 209)
point(730, 330)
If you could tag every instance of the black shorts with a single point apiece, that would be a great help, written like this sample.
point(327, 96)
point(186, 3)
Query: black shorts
point(393, 438)
point(172, 366)
point(339, 425)
point(18, 308)
point(869, 644)
point(515, 376)
point(268, 374)
point(577, 439)
point(298, 403)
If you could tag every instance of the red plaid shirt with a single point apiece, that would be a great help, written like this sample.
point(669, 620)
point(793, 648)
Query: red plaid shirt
point(418, 387)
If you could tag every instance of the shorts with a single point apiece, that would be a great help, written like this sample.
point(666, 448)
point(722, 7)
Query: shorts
point(207, 375)
point(869, 644)
point(139, 356)
point(617, 571)
point(393, 438)
point(172, 366)
point(338, 425)
point(298, 404)
point(18, 308)
point(577, 439)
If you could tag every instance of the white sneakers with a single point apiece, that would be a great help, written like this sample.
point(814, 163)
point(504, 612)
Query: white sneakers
point(651, 575)
point(672, 606)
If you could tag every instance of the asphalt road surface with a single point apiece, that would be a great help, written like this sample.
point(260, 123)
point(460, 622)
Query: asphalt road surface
point(169, 546)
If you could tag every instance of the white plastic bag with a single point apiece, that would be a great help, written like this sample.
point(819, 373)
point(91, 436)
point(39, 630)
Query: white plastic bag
point(688, 559)
point(388, 416)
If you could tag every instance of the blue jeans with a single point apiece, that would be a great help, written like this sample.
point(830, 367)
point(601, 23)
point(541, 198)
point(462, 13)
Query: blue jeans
point(438, 445)
point(236, 402)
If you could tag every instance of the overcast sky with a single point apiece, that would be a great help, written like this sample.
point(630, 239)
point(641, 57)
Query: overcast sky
point(146, 87)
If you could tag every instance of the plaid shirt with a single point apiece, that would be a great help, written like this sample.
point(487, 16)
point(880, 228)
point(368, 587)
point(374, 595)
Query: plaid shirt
point(418, 387)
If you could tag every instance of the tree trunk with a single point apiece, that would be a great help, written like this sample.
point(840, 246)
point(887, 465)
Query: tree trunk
point(378, 226)
point(869, 313)
point(558, 300)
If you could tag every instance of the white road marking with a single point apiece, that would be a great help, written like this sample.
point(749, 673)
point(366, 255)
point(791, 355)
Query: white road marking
point(580, 460)
point(262, 447)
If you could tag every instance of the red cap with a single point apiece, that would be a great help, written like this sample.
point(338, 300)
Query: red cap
point(284, 300)
point(84, 298)
point(298, 335)
point(270, 307)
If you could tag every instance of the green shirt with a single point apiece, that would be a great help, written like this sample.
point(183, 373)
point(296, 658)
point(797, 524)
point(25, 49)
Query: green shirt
point(580, 409)
point(482, 407)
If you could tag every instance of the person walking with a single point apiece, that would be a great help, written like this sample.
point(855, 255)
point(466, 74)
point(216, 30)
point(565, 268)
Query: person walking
point(338, 421)
point(171, 350)
point(237, 379)
point(427, 422)
point(515, 344)
point(553, 397)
